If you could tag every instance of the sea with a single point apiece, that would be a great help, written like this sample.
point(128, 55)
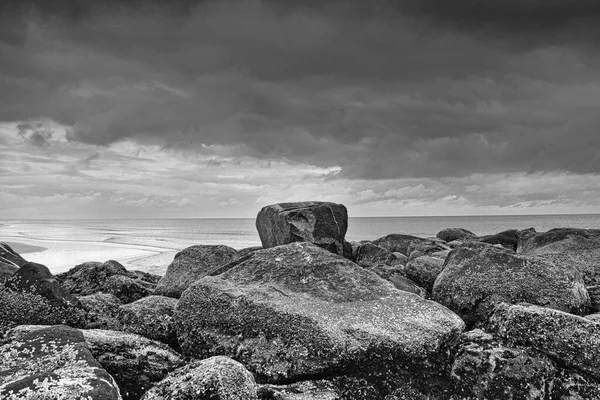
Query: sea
point(150, 244)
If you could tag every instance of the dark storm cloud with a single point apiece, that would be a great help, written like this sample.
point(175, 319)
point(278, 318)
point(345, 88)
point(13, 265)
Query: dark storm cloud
point(389, 89)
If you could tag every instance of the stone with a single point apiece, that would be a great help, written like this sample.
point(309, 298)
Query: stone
point(487, 369)
point(191, 264)
point(395, 276)
point(321, 223)
point(401, 259)
point(508, 239)
point(594, 292)
point(572, 340)
point(151, 317)
point(247, 251)
point(89, 278)
point(125, 289)
point(369, 254)
point(568, 247)
point(477, 276)
point(442, 254)
point(451, 234)
point(214, 378)
point(424, 270)
point(102, 311)
point(571, 385)
point(593, 317)
point(297, 311)
point(304, 390)
point(397, 242)
point(10, 257)
point(424, 248)
point(53, 363)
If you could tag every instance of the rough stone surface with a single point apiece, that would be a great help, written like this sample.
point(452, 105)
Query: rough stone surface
point(579, 248)
point(397, 242)
point(102, 311)
point(305, 390)
point(594, 292)
point(593, 317)
point(573, 340)
point(214, 378)
point(297, 311)
point(451, 234)
point(369, 254)
point(487, 369)
point(191, 264)
point(125, 289)
point(423, 271)
point(478, 276)
point(88, 278)
point(443, 254)
point(10, 261)
point(401, 259)
point(508, 239)
point(572, 385)
point(425, 248)
point(53, 363)
point(151, 317)
point(396, 277)
point(321, 223)
point(247, 251)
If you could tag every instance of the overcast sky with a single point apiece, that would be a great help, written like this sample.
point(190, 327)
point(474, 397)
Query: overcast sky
point(217, 108)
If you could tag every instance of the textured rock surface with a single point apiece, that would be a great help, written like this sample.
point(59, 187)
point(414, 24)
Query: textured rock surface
point(507, 239)
point(477, 276)
point(369, 254)
point(579, 248)
point(125, 289)
point(424, 270)
point(151, 317)
point(396, 277)
point(102, 311)
point(397, 242)
point(321, 223)
point(214, 378)
point(305, 390)
point(573, 340)
point(295, 311)
point(191, 264)
point(53, 363)
point(10, 261)
point(487, 369)
point(451, 234)
point(594, 292)
point(424, 248)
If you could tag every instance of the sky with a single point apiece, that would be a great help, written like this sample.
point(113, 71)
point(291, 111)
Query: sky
point(195, 109)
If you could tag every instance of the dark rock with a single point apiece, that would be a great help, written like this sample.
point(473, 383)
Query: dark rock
point(571, 385)
point(53, 363)
point(125, 289)
point(369, 254)
point(397, 242)
point(425, 248)
point(191, 264)
point(10, 257)
point(568, 247)
point(145, 278)
point(401, 259)
point(102, 311)
point(594, 292)
point(214, 378)
point(451, 234)
point(321, 223)
point(487, 369)
point(151, 317)
point(297, 311)
point(89, 278)
point(508, 239)
point(477, 276)
point(572, 340)
point(424, 270)
point(305, 390)
point(6, 271)
point(247, 251)
point(397, 278)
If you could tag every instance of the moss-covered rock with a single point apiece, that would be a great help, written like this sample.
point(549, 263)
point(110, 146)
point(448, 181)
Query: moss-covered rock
point(396, 276)
point(102, 311)
point(191, 264)
point(296, 311)
point(424, 270)
point(125, 289)
point(369, 255)
point(214, 378)
point(151, 317)
point(477, 276)
point(426, 247)
point(53, 363)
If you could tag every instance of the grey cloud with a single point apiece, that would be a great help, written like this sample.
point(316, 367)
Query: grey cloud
point(35, 133)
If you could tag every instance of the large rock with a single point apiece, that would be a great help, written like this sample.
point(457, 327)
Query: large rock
point(508, 239)
point(135, 362)
point(53, 363)
point(298, 311)
point(305, 390)
point(478, 276)
point(191, 264)
point(214, 378)
point(424, 270)
point(452, 234)
point(573, 340)
point(397, 242)
point(426, 247)
point(10, 261)
point(151, 317)
point(396, 277)
point(579, 248)
point(320, 223)
point(102, 311)
point(125, 289)
point(369, 255)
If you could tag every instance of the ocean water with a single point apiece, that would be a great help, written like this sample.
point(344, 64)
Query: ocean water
point(151, 243)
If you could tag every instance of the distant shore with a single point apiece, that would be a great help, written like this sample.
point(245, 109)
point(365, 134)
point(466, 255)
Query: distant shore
point(23, 248)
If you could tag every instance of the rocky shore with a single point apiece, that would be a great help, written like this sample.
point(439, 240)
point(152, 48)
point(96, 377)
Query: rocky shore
point(311, 316)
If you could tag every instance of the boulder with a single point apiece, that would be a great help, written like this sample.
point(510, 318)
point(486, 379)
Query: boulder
point(574, 341)
point(369, 254)
point(151, 317)
point(125, 289)
point(477, 276)
point(401, 259)
point(594, 292)
point(593, 317)
point(568, 247)
point(304, 390)
point(572, 385)
point(397, 242)
point(396, 277)
point(508, 239)
point(191, 264)
point(487, 369)
point(102, 311)
point(89, 278)
point(214, 378)
point(53, 363)
point(451, 234)
point(10, 257)
point(248, 250)
point(424, 270)
point(6, 271)
point(297, 311)
point(442, 254)
point(424, 248)
point(321, 223)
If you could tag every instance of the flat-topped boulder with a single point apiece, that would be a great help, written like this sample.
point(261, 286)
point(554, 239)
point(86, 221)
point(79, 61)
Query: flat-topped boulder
point(53, 363)
point(321, 223)
point(297, 311)
point(569, 247)
point(191, 264)
point(397, 242)
point(452, 234)
point(477, 276)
